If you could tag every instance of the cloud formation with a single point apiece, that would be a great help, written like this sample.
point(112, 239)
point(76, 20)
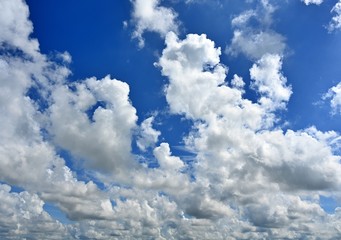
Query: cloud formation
point(317, 2)
point(231, 170)
point(148, 15)
point(23, 216)
point(248, 178)
point(148, 135)
point(270, 83)
point(334, 95)
point(95, 111)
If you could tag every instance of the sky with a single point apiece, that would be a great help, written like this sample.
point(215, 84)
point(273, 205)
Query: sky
point(170, 119)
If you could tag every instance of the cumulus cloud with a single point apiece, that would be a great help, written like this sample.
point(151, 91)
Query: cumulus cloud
point(148, 15)
point(334, 95)
point(28, 159)
point(317, 2)
point(248, 178)
point(148, 135)
point(197, 85)
point(23, 216)
point(14, 27)
point(163, 155)
point(238, 165)
point(95, 111)
point(270, 83)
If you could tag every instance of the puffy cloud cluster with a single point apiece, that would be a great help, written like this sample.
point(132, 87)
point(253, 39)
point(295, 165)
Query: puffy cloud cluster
point(95, 111)
point(249, 179)
point(269, 177)
point(148, 15)
point(28, 159)
point(23, 216)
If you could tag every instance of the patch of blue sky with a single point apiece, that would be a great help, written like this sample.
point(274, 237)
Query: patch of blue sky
point(56, 213)
point(329, 204)
point(14, 188)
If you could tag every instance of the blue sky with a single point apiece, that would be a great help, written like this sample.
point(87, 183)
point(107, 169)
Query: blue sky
point(170, 119)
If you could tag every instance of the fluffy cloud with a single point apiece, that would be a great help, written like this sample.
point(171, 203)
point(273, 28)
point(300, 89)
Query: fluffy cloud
point(248, 178)
point(95, 111)
point(197, 86)
point(163, 155)
point(28, 159)
point(270, 83)
point(334, 94)
point(148, 135)
point(148, 15)
point(261, 172)
point(23, 217)
point(317, 2)
point(14, 27)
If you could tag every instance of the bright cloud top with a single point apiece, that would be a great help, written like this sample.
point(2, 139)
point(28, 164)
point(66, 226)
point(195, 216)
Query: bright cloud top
point(148, 15)
point(81, 145)
point(317, 2)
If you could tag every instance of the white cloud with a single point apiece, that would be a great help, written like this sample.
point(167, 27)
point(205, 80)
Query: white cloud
point(197, 82)
point(99, 115)
point(15, 29)
point(317, 2)
point(166, 161)
point(335, 23)
point(237, 82)
point(248, 179)
point(262, 173)
point(334, 94)
point(255, 40)
point(23, 217)
point(148, 136)
point(28, 159)
point(270, 83)
point(148, 15)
